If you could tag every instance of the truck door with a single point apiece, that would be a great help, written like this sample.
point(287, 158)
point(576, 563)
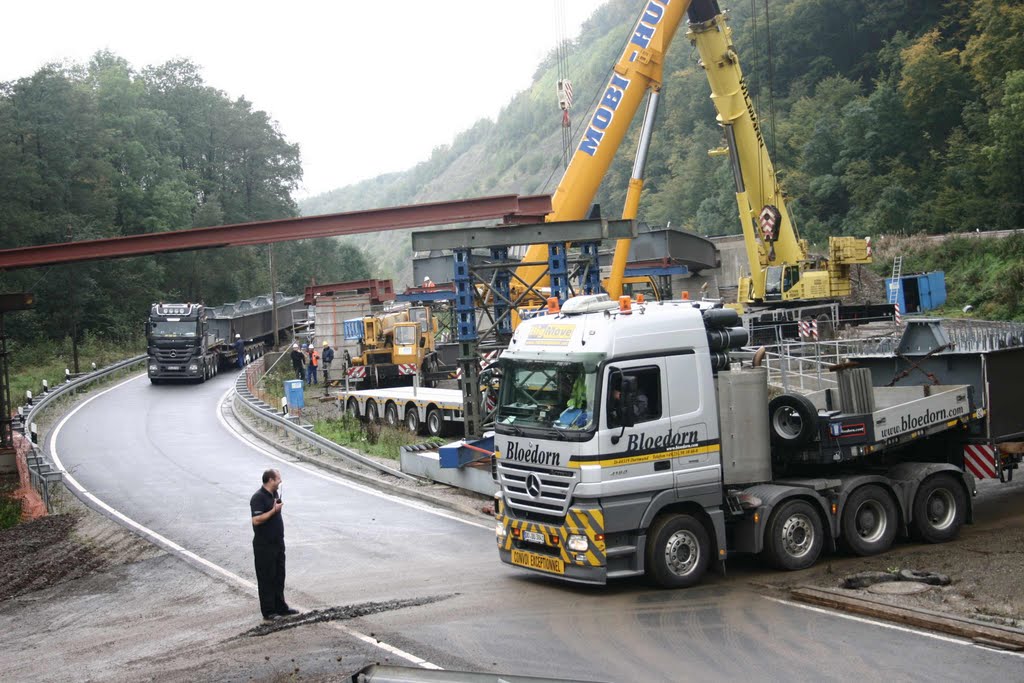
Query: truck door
point(696, 461)
point(636, 454)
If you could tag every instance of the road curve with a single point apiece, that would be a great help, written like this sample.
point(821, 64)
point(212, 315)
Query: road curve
point(161, 456)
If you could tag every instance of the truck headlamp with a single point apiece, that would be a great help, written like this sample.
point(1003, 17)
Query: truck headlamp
point(577, 543)
point(153, 367)
point(193, 367)
point(499, 530)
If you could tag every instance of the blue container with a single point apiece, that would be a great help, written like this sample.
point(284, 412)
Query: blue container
point(354, 329)
point(294, 393)
point(919, 293)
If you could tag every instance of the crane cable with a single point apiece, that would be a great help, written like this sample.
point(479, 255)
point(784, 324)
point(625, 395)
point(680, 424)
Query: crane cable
point(564, 86)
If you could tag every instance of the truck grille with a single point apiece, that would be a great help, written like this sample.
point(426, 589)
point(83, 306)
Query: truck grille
point(536, 492)
point(172, 355)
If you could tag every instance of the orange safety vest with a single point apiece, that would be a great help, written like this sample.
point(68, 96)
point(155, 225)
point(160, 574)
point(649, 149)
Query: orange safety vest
point(314, 358)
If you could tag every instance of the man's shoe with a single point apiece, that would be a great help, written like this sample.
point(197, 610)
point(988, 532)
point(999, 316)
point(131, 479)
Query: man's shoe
point(272, 617)
point(288, 612)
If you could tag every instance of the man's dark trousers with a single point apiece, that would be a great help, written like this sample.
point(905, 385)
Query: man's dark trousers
point(270, 577)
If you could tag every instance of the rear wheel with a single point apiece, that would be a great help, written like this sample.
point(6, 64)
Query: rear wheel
point(794, 536)
point(412, 420)
point(391, 415)
point(677, 551)
point(435, 421)
point(372, 415)
point(940, 507)
point(869, 521)
point(793, 420)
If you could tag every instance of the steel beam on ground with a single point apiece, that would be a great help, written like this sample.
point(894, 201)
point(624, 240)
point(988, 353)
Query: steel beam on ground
point(537, 233)
point(264, 232)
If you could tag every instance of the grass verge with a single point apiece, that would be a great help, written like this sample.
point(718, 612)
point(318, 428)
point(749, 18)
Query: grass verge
point(10, 508)
point(372, 439)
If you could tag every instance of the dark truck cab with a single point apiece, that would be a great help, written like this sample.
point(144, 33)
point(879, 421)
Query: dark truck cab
point(179, 344)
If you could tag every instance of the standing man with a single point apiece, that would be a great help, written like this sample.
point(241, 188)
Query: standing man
point(314, 363)
point(327, 357)
point(240, 350)
point(268, 546)
point(298, 362)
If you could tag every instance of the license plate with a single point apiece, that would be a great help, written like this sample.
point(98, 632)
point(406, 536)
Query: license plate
point(533, 537)
point(174, 367)
point(552, 565)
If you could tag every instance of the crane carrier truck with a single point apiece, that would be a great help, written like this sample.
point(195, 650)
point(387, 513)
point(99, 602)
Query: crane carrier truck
point(627, 443)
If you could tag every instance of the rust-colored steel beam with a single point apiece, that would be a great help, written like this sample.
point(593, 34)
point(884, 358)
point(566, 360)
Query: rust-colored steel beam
point(505, 207)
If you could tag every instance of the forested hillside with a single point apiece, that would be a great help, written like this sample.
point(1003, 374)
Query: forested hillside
point(103, 150)
point(882, 117)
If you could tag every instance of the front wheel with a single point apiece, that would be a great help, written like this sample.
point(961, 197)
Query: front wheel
point(412, 420)
point(794, 536)
point(869, 521)
point(678, 551)
point(940, 508)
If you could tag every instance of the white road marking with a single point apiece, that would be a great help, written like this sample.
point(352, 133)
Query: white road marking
point(173, 547)
point(894, 627)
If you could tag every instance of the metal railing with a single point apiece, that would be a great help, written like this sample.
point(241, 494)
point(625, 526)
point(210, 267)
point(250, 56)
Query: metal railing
point(244, 386)
point(42, 472)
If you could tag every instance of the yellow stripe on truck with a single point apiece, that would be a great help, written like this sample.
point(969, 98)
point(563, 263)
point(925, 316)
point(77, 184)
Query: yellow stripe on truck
point(648, 457)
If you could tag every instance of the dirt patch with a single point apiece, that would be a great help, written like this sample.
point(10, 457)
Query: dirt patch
point(343, 613)
point(51, 550)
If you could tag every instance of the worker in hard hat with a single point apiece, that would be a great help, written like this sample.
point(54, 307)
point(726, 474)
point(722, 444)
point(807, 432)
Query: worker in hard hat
point(239, 350)
point(326, 358)
point(428, 283)
point(298, 362)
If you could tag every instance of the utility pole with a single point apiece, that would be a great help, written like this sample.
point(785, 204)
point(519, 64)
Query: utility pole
point(273, 296)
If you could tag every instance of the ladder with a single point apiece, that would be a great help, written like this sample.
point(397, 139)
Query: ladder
point(894, 282)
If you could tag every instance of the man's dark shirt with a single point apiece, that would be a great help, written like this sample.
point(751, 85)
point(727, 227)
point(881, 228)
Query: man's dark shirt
point(298, 360)
point(271, 532)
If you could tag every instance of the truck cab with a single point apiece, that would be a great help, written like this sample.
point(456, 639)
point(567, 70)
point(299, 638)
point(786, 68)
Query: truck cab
point(176, 340)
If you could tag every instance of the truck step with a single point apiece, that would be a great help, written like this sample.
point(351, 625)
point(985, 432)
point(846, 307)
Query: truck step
point(620, 550)
point(622, 573)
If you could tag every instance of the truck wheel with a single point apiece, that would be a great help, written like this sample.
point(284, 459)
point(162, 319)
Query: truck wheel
point(793, 420)
point(677, 551)
point(412, 420)
point(352, 408)
point(391, 415)
point(794, 536)
point(869, 521)
point(435, 422)
point(372, 415)
point(939, 509)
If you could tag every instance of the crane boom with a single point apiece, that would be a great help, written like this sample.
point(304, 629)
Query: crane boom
point(638, 71)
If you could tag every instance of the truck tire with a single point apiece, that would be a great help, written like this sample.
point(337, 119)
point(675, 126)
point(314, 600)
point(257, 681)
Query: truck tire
point(412, 420)
point(352, 408)
point(940, 507)
point(435, 421)
point(793, 420)
point(391, 415)
point(372, 414)
point(869, 521)
point(794, 536)
point(678, 551)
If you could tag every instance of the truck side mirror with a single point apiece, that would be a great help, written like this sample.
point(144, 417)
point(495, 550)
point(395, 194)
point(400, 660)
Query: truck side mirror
point(423, 342)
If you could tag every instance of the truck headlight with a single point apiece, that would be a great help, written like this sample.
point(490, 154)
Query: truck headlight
point(153, 367)
point(577, 543)
point(193, 367)
point(499, 530)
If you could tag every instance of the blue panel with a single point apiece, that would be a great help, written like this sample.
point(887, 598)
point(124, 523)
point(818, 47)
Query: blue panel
point(938, 287)
point(465, 314)
point(456, 455)
point(354, 329)
point(293, 393)
point(558, 273)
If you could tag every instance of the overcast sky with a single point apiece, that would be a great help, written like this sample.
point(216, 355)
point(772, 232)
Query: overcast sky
point(364, 87)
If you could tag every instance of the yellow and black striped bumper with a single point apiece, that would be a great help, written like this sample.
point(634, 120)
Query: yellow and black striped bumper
point(553, 556)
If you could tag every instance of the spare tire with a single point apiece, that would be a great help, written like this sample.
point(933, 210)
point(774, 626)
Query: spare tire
point(792, 420)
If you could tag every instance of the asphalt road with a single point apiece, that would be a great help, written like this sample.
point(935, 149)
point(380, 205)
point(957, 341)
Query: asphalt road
point(163, 457)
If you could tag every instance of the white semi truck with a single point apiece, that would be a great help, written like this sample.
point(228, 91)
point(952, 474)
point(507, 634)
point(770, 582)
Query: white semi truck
point(627, 443)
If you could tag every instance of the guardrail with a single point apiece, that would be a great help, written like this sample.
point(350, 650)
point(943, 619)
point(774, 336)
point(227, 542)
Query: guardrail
point(42, 472)
point(304, 433)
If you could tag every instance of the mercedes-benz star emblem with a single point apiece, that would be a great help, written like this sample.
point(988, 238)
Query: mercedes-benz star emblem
point(533, 486)
point(173, 354)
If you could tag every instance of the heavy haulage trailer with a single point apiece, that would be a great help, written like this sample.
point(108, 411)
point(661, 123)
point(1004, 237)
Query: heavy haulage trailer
point(627, 442)
point(193, 342)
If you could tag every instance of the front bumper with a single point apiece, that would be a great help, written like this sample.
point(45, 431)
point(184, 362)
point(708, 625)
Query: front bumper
point(552, 557)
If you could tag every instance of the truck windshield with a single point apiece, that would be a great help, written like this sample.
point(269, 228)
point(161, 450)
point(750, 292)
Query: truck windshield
point(548, 395)
point(405, 335)
point(168, 329)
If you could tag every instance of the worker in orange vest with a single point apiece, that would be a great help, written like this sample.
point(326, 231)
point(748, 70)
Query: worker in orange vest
point(314, 363)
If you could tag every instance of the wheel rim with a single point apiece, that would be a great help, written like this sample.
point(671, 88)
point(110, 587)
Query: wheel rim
point(391, 415)
point(412, 421)
point(682, 553)
point(371, 412)
point(353, 407)
point(941, 509)
point(797, 535)
point(871, 521)
point(434, 423)
point(787, 422)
